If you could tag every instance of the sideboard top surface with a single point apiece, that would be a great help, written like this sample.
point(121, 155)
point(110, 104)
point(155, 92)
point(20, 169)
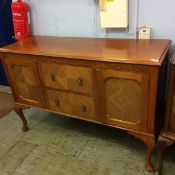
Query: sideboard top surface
point(148, 52)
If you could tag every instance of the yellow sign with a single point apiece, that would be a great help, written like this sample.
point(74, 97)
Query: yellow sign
point(102, 4)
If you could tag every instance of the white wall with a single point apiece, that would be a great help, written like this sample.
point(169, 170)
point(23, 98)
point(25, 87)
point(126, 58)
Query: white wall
point(160, 15)
point(63, 17)
point(81, 18)
point(71, 18)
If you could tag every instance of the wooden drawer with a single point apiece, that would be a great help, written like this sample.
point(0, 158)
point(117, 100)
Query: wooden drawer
point(77, 79)
point(71, 104)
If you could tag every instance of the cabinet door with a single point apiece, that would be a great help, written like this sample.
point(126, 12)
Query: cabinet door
point(24, 81)
point(124, 98)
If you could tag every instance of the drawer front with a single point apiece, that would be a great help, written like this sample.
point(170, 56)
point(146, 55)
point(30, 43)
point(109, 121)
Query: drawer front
point(71, 104)
point(78, 79)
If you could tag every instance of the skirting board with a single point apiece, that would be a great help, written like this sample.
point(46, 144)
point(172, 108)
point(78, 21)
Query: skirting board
point(5, 89)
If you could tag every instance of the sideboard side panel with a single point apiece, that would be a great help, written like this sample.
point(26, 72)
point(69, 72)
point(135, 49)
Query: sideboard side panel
point(170, 113)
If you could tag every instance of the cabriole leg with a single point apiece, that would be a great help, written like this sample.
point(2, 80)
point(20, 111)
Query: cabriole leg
point(150, 143)
point(161, 145)
point(150, 147)
point(19, 111)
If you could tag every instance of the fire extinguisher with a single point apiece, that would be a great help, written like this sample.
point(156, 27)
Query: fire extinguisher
point(21, 19)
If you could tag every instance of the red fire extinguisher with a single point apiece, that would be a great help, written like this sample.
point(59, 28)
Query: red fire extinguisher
point(21, 19)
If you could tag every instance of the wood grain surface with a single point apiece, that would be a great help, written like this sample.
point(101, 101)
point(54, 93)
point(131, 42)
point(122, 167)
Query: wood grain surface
point(113, 82)
point(77, 79)
point(71, 104)
point(26, 83)
point(150, 52)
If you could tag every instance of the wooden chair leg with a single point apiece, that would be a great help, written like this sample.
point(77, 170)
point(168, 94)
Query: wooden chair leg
point(19, 111)
point(161, 145)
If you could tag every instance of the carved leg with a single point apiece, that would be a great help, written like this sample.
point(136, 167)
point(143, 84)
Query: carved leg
point(150, 143)
point(19, 111)
point(150, 147)
point(161, 145)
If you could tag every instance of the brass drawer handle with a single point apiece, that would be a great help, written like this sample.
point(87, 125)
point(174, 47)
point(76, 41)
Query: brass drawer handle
point(80, 81)
point(83, 108)
point(52, 76)
point(57, 102)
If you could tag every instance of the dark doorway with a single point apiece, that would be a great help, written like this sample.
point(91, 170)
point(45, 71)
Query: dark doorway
point(6, 32)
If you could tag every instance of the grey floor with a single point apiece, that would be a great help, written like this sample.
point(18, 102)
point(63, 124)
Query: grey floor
point(57, 145)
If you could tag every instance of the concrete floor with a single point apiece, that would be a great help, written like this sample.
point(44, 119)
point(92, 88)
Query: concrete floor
point(57, 145)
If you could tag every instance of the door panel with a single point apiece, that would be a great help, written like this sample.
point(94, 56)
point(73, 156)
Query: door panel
point(123, 99)
point(25, 81)
point(125, 96)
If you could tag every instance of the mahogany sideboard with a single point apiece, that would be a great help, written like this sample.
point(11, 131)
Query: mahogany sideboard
point(167, 136)
point(113, 82)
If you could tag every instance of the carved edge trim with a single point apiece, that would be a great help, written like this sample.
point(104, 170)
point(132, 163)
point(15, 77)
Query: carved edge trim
point(89, 63)
point(164, 138)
